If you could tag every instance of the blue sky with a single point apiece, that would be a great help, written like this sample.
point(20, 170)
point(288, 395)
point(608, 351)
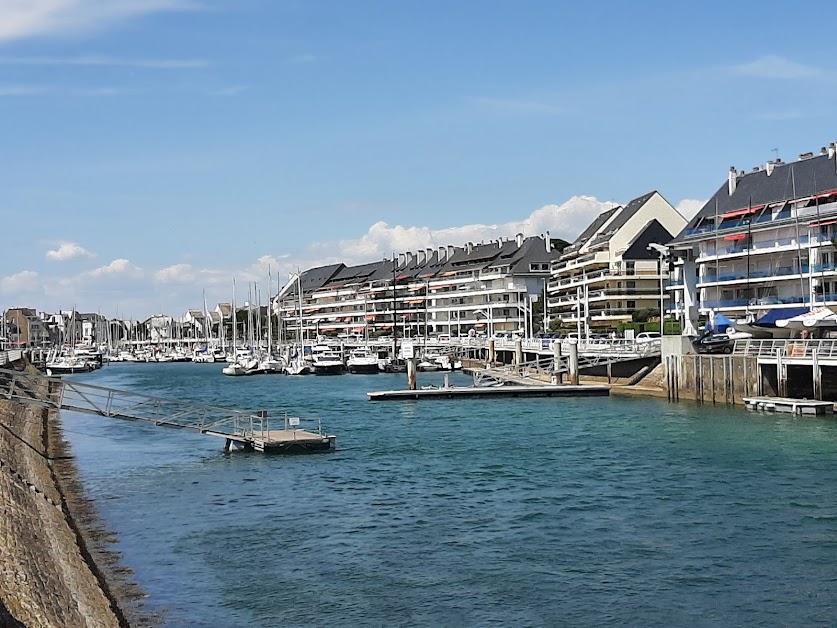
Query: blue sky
point(158, 148)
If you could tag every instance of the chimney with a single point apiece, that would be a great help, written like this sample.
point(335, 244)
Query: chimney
point(519, 239)
point(469, 247)
point(823, 151)
point(769, 167)
point(831, 150)
point(443, 253)
point(429, 255)
point(402, 259)
point(420, 259)
point(409, 261)
point(733, 180)
point(804, 156)
point(548, 242)
point(451, 250)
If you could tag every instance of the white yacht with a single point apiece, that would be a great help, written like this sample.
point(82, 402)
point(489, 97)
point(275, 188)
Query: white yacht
point(326, 361)
point(362, 361)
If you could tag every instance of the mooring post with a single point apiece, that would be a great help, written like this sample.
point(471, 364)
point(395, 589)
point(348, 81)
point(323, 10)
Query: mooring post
point(781, 383)
point(574, 363)
point(227, 445)
point(556, 361)
point(411, 374)
point(491, 353)
point(817, 374)
point(518, 352)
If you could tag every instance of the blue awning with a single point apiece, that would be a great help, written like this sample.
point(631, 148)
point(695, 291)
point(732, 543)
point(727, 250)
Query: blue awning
point(769, 319)
point(721, 322)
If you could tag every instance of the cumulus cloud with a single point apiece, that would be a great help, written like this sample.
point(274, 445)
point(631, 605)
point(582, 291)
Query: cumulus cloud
point(689, 207)
point(177, 273)
point(24, 281)
point(21, 19)
point(776, 67)
point(116, 267)
point(381, 240)
point(67, 251)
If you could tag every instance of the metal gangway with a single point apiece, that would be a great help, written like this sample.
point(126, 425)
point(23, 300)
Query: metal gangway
point(261, 430)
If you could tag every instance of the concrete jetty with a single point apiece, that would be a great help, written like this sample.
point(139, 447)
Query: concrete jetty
point(460, 392)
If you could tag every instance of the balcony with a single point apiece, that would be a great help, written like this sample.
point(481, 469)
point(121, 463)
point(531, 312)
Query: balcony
point(784, 272)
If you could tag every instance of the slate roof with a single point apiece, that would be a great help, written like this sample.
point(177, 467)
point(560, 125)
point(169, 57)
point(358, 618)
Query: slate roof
point(788, 181)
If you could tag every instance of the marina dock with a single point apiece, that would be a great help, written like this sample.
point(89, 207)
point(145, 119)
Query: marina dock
point(278, 441)
point(788, 405)
point(241, 429)
point(457, 392)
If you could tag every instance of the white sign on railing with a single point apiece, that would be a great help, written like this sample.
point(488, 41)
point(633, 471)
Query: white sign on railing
point(293, 421)
point(408, 350)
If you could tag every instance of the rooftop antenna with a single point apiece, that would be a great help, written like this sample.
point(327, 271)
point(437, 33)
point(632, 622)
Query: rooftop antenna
point(775, 154)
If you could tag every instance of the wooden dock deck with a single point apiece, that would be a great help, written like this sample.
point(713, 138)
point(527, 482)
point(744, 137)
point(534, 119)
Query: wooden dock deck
point(278, 441)
point(791, 406)
point(458, 392)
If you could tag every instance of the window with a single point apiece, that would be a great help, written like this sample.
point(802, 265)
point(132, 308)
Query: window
point(631, 284)
point(631, 305)
point(630, 268)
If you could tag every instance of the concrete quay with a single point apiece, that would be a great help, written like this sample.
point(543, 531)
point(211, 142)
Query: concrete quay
point(47, 573)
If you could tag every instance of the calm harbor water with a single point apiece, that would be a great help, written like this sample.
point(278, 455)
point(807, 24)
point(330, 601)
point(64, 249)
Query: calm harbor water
point(525, 512)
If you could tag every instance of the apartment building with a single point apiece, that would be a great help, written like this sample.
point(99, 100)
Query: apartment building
point(764, 241)
point(25, 328)
point(486, 287)
point(610, 271)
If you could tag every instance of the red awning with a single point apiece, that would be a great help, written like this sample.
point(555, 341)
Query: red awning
point(823, 223)
point(743, 212)
point(824, 194)
point(736, 237)
point(401, 277)
point(370, 317)
point(357, 328)
point(480, 324)
point(385, 325)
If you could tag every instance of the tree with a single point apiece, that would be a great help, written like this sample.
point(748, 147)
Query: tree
point(644, 314)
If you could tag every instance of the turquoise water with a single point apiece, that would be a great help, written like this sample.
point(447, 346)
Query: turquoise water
point(524, 512)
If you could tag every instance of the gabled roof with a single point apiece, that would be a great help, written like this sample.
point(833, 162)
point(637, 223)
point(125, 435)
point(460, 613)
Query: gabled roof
point(477, 258)
point(788, 181)
point(532, 251)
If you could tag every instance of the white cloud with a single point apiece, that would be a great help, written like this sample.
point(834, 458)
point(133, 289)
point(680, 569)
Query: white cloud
point(105, 61)
point(776, 67)
point(689, 207)
point(381, 240)
point(24, 281)
point(20, 19)
point(116, 267)
point(67, 251)
point(177, 274)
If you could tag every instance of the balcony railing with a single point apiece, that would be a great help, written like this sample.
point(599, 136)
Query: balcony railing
point(790, 349)
point(754, 274)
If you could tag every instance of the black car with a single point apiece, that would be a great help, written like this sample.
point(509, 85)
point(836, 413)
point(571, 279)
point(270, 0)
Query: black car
point(714, 343)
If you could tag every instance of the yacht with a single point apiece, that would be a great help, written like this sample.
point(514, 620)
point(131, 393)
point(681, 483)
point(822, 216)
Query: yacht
point(326, 361)
point(362, 361)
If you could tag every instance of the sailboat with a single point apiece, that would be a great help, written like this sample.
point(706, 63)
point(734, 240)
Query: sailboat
point(235, 368)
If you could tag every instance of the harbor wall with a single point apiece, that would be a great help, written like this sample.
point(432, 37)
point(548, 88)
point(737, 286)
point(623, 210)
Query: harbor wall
point(711, 378)
point(47, 574)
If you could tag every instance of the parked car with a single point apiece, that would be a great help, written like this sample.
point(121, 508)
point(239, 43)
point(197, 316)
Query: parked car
point(714, 343)
point(647, 336)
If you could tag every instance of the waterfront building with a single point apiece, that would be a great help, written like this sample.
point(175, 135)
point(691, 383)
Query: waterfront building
point(764, 241)
point(487, 287)
point(24, 328)
point(610, 271)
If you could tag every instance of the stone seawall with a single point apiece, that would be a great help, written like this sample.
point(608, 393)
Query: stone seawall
point(47, 575)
